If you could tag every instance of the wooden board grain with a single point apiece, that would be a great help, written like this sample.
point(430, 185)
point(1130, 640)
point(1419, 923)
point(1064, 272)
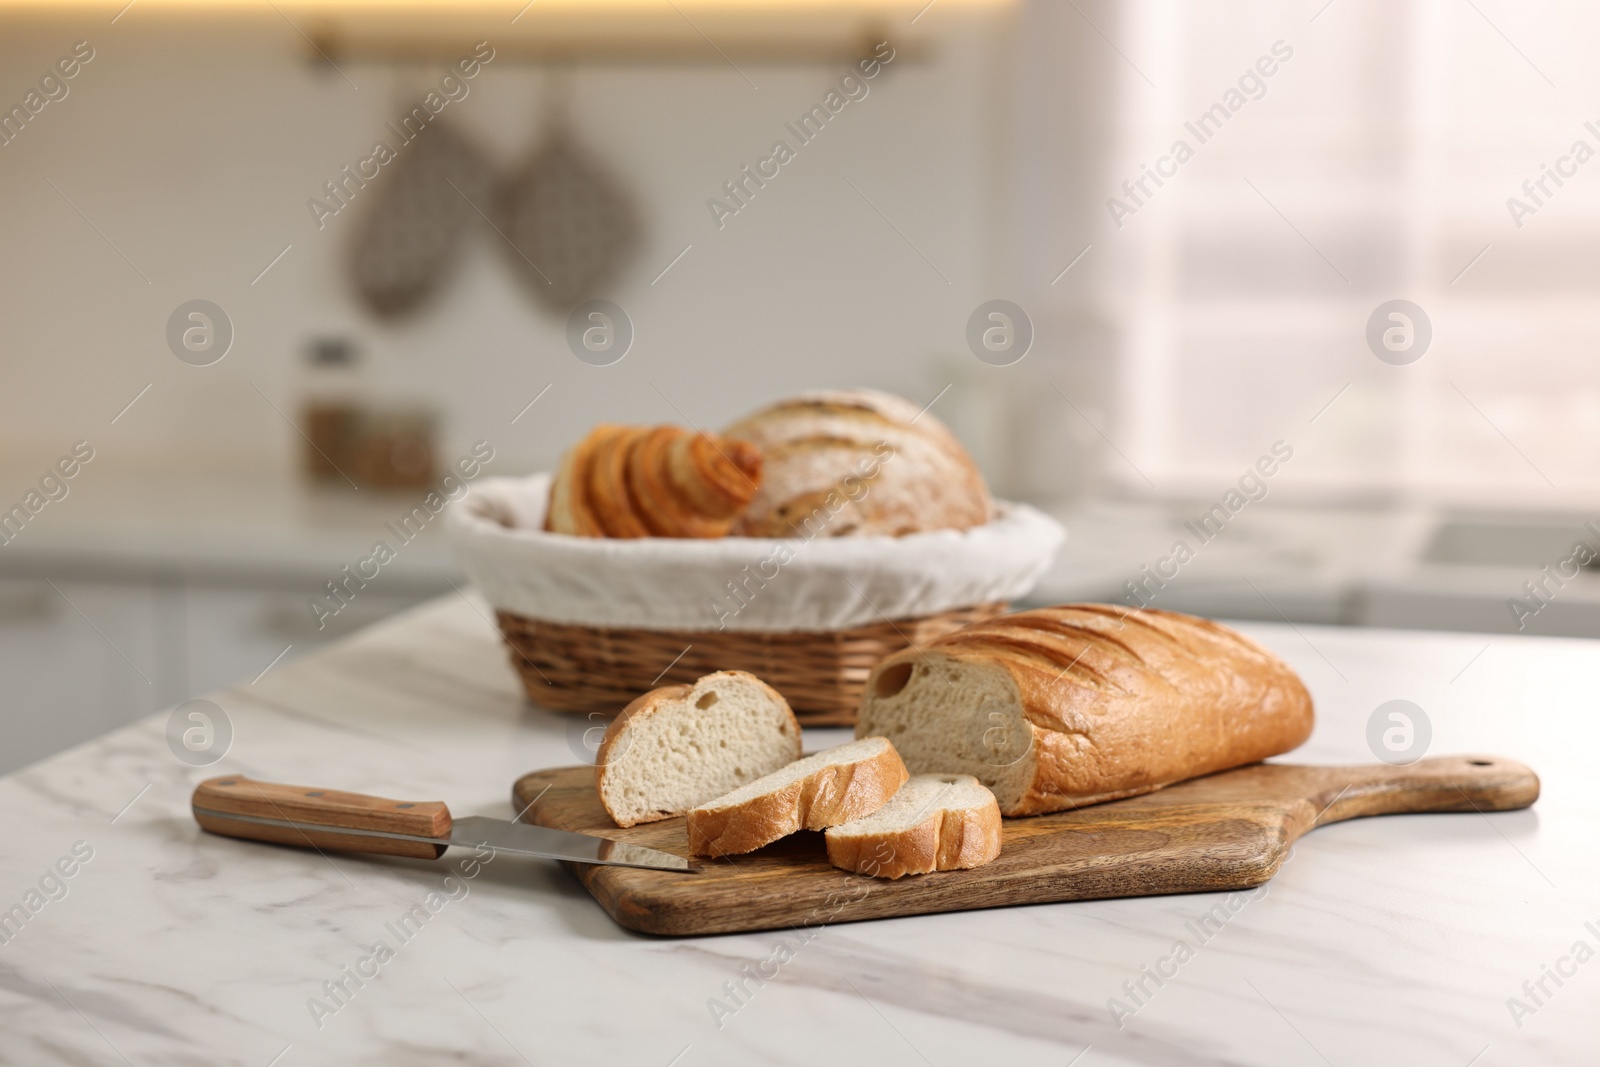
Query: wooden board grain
point(1222, 832)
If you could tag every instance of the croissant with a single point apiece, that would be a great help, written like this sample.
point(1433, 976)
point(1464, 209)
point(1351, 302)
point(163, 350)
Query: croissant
point(634, 481)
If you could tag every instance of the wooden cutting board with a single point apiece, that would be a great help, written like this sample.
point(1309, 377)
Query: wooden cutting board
point(1223, 832)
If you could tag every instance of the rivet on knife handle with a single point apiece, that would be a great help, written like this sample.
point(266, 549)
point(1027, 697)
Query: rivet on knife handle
point(307, 807)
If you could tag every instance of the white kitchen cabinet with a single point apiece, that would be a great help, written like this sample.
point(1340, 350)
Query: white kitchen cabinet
point(81, 658)
point(233, 634)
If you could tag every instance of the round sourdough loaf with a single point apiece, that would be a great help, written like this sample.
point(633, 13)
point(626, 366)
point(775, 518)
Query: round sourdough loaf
point(1066, 706)
point(858, 462)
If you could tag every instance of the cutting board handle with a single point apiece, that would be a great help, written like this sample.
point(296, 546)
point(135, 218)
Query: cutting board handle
point(306, 807)
point(1448, 783)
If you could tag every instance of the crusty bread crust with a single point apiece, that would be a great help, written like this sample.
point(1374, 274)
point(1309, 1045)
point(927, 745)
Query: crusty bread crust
point(631, 482)
point(827, 797)
point(948, 839)
point(1118, 701)
point(569, 511)
point(858, 461)
point(608, 497)
point(647, 704)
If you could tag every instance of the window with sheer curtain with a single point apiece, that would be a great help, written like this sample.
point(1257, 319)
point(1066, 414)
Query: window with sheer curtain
point(1339, 156)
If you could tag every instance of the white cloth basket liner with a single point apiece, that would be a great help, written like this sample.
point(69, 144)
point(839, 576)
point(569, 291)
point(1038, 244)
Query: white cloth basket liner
point(737, 583)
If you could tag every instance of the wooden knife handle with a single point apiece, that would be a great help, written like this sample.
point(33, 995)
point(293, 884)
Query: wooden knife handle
point(308, 807)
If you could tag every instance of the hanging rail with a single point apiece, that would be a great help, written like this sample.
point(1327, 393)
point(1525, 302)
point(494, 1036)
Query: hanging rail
point(333, 44)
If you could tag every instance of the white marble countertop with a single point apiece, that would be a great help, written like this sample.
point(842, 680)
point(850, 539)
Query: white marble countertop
point(1395, 940)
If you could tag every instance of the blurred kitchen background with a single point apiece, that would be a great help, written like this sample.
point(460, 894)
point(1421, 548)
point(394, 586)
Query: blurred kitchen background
point(1341, 155)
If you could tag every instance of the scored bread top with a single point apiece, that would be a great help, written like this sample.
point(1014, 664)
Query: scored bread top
point(1075, 661)
point(858, 461)
point(1107, 701)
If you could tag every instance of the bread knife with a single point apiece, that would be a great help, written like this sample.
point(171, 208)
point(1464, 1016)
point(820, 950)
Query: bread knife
point(235, 806)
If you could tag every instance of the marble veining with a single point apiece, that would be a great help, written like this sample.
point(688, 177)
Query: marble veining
point(1396, 940)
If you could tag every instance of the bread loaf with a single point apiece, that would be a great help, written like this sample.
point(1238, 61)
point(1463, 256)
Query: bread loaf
point(936, 822)
point(682, 745)
point(1066, 706)
point(858, 462)
point(822, 790)
point(629, 481)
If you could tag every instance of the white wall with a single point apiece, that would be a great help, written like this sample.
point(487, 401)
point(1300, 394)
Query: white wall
point(193, 143)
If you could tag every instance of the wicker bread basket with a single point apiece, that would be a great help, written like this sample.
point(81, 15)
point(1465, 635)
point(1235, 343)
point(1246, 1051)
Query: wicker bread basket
point(592, 623)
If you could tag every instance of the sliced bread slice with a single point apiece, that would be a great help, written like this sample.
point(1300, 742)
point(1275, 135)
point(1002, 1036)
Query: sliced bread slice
point(822, 790)
point(937, 822)
point(682, 745)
